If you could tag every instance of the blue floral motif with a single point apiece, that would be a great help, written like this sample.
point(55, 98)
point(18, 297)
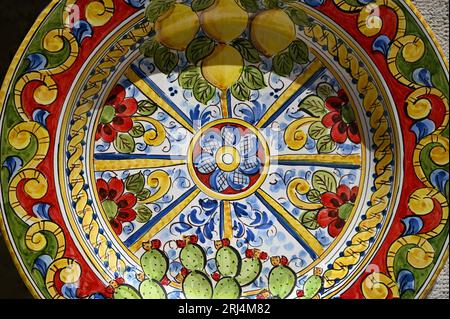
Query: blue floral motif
point(246, 146)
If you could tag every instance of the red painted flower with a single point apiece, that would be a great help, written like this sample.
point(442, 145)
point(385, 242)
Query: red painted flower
point(117, 205)
point(341, 119)
point(336, 208)
point(116, 115)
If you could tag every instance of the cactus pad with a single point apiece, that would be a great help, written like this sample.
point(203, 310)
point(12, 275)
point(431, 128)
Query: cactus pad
point(193, 257)
point(197, 285)
point(126, 292)
point(312, 286)
point(155, 264)
point(250, 270)
point(151, 289)
point(228, 261)
point(281, 281)
point(227, 288)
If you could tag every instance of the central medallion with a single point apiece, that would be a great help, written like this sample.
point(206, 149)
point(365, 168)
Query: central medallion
point(228, 159)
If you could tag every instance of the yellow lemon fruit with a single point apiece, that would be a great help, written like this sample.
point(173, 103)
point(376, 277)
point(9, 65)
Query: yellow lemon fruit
point(224, 21)
point(272, 31)
point(177, 27)
point(223, 67)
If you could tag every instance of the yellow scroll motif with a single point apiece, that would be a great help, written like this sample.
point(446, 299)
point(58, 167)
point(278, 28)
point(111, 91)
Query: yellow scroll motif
point(300, 186)
point(160, 181)
point(99, 12)
point(46, 93)
point(69, 273)
point(36, 241)
point(35, 184)
point(370, 21)
point(152, 137)
point(294, 136)
point(420, 253)
point(377, 286)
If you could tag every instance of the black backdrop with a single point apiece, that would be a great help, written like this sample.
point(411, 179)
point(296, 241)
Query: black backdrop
point(16, 18)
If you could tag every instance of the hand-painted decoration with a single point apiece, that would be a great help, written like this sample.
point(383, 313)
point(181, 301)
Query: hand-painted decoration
point(226, 149)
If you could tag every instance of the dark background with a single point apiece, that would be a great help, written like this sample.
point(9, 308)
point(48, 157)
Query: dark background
point(16, 18)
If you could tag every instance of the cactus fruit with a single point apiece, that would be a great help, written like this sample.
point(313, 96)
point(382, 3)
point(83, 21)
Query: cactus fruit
point(228, 261)
point(193, 257)
point(197, 285)
point(250, 270)
point(126, 292)
point(227, 288)
point(155, 264)
point(312, 286)
point(151, 289)
point(281, 281)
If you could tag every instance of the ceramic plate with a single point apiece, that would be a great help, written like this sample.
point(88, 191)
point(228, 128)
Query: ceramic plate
point(226, 149)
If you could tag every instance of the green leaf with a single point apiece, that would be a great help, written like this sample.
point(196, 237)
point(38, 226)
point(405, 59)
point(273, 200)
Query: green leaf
point(157, 8)
point(149, 47)
point(324, 181)
point(345, 210)
point(199, 5)
point(247, 50)
point(240, 91)
point(325, 145)
point(110, 208)
point(108, 114)
point(309, 219)
point(143, 194)
point(313, 196)
point(203, 91)
point(137, 130)
point(347, 114)
point(165, 60)
point(188, 77)
point(143, 214)
point(317, 130)
point(199, 48)
point(299, 17)
point(271, 4)
point(313, 105)
point(299, 52)
point(135, 183)
point(282, 64)
point(253, 78)
point(325, 90)
point(147, 107)
point(249, 5)
point(124, 143)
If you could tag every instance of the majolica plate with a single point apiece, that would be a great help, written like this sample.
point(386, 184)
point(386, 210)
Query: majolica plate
point(226, 149)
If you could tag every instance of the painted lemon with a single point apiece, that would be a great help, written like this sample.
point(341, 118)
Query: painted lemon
point(176, 27)
point(223, 67)
point(224, 21)
point(272, 31)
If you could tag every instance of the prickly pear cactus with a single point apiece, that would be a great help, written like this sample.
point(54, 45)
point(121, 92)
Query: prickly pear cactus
point(193, 257)
point(281, 281)
point(152, 289)
point(126, 292)
point(312, 286)
point(250, 270)
point(155, 264)
point(227, 288)
point(228, 261)
point(197, 285)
